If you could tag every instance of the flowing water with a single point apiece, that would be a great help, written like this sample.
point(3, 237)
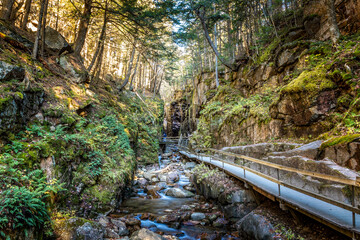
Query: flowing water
point(140, 205)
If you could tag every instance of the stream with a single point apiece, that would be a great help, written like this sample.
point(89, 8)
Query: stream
point(165, 202)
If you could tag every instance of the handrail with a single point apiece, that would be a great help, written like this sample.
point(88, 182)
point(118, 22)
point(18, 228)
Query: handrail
point(351, 182)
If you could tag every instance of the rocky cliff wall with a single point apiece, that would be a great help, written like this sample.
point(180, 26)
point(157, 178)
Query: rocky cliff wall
point(297, 88)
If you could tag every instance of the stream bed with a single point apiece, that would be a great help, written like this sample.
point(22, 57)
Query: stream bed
point(165, 202)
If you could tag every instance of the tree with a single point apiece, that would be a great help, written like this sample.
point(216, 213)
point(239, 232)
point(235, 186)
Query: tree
point(334, 28)
point(83, 27)
point(42, 17)
point(7, 7)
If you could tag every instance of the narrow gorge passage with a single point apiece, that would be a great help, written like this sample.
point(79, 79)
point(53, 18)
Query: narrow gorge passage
point(164, 202)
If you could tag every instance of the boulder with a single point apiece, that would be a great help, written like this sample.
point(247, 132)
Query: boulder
point(145, 234)
point(179, 193)
point(121, 227)
point(89, 231)
point(173, 177)
point(256, 227)
point(310, 150)
point(11, 72)
point(153, 194)
point(196, 216)
point(56, 42)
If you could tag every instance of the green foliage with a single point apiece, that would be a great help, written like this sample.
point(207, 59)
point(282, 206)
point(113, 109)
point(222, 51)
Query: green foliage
point(287, 233)
point(25, 196)
point(339, 140)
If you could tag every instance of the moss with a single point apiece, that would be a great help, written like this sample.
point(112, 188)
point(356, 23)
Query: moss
point(312, 81)
point(4, 102)
point(19, 95)
point(268, 51)
point(67, 119)
point(339, 140)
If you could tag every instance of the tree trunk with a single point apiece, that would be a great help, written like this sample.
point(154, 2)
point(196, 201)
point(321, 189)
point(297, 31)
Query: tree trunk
point(133, 75)
point(201, 16)
point(43, 29)
point(6, 10)
point(26, 14)
point(99, 44)
point(83, 27)
point(334, 28)
point(15, 10)
point(128, 73)
point(38, 33)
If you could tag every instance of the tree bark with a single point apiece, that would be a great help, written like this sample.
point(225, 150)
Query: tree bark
point(83, 27)
point(38, 33)
point(128, 73)
point(43, 29)
point(201, 16)
point(100, 42)
point(133, 75)
point(7, 9)
point(334, 28)
point(26, 14)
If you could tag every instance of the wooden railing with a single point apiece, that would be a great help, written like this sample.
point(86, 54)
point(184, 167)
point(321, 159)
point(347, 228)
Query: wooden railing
point(352, 183)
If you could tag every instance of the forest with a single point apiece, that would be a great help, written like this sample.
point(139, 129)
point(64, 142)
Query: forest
point(90, 89)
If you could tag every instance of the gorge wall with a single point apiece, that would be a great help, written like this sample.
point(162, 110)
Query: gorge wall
point(299, 87)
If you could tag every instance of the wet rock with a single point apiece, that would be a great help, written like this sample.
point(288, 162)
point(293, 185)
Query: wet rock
point(173, 177)
point(120, 227)
point(198, 216)
point(161, 186)
point(153, 194)
point(90, 231)
point(145, 234)
point(185, 216)
point(179, 193)
point(167, 219)
point(142, 181)
point(132, 221)
point(11, 72)
point(149, 175)
point(256, 227)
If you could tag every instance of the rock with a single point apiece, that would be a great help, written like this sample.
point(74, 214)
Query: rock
point(256, 227)
point(56, 42)
point(312, 25)
point(310, 150)
point(173, 177)
point(185, 208)
point(11, 72)
point(196, 216)
point(132, 222)
point(179, 193)
point(190, 165)
point(104, 221)
point(76, 71)
point(121, 227)
point(89, 232)
point(162, 178)
point(238, 210)
point(153, 194)
point(167, 218)
point(142, 181)
point(220, 222)
point(161, 186)
point(110, 233)
point(149, 175)
point(145, 234)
